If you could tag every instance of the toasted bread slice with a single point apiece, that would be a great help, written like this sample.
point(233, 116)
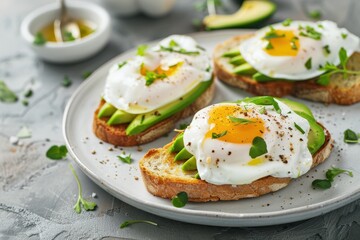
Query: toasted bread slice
point(116, 134)
point(164, 178)
point(340, 91)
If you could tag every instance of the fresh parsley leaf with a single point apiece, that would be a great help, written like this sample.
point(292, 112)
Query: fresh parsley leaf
point(299, 128)
point(173, 43)
point(272, 34)
point(258, 147)
point(86, 74)
point(344, 35)
point(351, 137)
point(343, 57)
point(240, 120)
point(66, 81)
point(6, 95)
point(125, 159)
point(310, 32)
point(180, 200)
point(218, 135)
point(39, 39)
point(150, 77)
point(321, 183)
point(81, 202)
point(326, 49)
point(315, 14)
point(130, 222)
point(28, 93)
point(287, 22)
point(324, 79)
point(266, 100)
point(68, 37)
point(56, 152)
point(120, 65)
point(333, 172)
point(141, 50)
point(308, 64)
point(181, 50)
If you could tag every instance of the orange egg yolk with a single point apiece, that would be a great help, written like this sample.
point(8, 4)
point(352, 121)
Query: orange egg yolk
point(235, 132)
point(159, 70)
point(287, 44)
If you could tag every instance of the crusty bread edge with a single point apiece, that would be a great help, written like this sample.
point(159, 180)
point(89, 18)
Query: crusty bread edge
point(166, 186)
point(116, 134)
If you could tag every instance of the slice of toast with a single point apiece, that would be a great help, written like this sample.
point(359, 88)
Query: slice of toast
point(164, 178)
point(116, 134)
point(339, 90)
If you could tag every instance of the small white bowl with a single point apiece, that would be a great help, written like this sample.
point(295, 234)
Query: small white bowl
point(66, 52)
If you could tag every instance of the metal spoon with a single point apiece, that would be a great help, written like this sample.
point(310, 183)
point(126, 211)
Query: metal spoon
point(65, 25)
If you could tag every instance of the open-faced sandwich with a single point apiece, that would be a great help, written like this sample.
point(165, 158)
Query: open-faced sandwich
point(145, 96)
point(312, 60)
point(237, 150)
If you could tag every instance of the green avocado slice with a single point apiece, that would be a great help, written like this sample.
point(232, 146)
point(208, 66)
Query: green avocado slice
point(106, 110)
point(189, 165)
point(143, 121)
point(183, 155)
point(297, 107)
point(178, 144)
point(237, 60)
point(244, 69)
point(120, 117)
point(250, 13)
point(231, 53)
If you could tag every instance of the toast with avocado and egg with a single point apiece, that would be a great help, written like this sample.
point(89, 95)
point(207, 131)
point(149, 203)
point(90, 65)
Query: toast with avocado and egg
point(315, 61)
point(145, 96)
point(238, 150)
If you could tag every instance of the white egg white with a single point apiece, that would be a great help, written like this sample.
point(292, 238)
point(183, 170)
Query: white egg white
point(293, 67)
point(219, 162)
point(126, 87)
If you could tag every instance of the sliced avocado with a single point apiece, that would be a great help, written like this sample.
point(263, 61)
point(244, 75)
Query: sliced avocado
point(182, 155)
point(178, 144)
point(189, 165)
point(244, 69)
point(231, 53)
point(250, 13)
point(316, 136)
point(259, 77)
point(106, 110)
point(119, 117)
point(144, 121)
point(197, 176)
point(297, 107)
point(238, 60)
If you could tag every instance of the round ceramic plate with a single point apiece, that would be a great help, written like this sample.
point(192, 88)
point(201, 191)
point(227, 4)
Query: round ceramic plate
point(296, 202)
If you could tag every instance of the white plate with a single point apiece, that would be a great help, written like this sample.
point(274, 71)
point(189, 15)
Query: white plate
point(296, 202)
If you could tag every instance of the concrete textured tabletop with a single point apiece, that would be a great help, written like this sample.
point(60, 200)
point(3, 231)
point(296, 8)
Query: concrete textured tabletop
point(37, 194)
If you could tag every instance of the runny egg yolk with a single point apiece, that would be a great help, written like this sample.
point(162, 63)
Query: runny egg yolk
point(240, 130)
point(159, 70)
point(286, 44)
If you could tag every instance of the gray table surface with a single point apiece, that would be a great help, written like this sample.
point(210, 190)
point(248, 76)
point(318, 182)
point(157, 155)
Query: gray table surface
point(37, 194)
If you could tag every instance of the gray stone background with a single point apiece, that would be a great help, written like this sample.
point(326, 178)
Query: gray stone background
point(37, 194)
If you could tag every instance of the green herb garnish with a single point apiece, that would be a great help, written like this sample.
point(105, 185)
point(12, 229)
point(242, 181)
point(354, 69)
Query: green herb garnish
point(86, 74)
point(173, 43)
point(218, 135)
point(293, 43)
point(66, 82)
point(351, 137)
point(331, 69)
point(310, 32)
point(68, 37)
point(25, 102)
point(125, 159)
point(287, 22)
point(326, 49)
point(150, 77)
point(183, 126)
point(130, 222)
point(344, 35)
point(258, 147)
point(181, 50)
point(269, 46)
point(28, 93)
point(299, 128)
point(39, 39)
point(308, 64)
point(6, 95)
point(315, 14)
point(240, 120)
point(141, 50)
point(56, 152)
point(180, 200)
point(272, 34)
point(330, 175)
point(120, 65)
point(81, 202)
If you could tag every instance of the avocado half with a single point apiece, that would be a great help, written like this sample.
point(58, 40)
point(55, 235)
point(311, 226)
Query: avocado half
point(250, 13)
